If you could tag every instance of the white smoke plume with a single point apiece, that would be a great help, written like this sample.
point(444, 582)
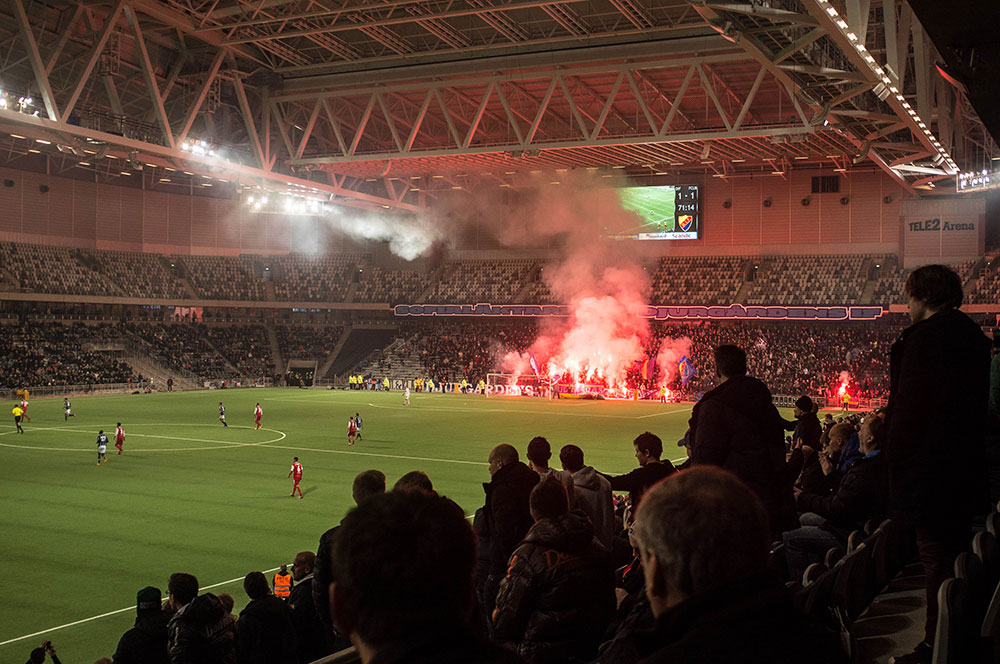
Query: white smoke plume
point(409, 236)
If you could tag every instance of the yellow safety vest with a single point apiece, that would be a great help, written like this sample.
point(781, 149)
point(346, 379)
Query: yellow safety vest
point(282, 585)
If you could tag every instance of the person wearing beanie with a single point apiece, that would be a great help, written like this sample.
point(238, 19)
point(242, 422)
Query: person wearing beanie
point(146, 642)
point(807, 427)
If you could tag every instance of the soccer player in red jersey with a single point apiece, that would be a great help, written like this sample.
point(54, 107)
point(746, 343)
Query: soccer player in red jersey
point(258, 412)
point(352, 430)
point(296, 474)
point(120, 437)
point(24, 407)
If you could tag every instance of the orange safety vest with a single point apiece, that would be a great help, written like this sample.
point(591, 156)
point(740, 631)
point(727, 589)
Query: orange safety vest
point(283, 585)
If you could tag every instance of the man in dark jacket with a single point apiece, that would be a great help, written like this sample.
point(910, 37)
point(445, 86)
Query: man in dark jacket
point(201, 631)
point(829, 519)
point(736, 426)
point(807, 426)
point(402, 568)
point(937, 470)
point(265, 633)
point(648, 449)
point(309, 630)
point(146, 643)
point(703, 540)
point(508, 516)
point(366, 484)
point(558, 596)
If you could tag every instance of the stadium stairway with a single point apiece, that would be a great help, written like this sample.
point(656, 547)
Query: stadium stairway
point(272, 336)
point(361, 342)
point(324, 368)
point(158, 373)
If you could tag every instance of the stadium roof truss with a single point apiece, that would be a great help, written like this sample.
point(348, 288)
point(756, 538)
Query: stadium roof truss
point(382, 104)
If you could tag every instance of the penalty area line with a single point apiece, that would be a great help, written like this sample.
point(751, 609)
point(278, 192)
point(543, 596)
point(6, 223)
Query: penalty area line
point(112, 613)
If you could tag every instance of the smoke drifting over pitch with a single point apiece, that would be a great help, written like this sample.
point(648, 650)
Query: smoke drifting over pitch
point(601, 280)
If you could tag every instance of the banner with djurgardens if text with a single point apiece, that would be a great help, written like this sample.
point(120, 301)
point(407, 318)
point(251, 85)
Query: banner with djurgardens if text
point(727, 312)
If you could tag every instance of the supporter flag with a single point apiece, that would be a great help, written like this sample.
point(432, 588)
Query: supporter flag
point(648, 368)
point(534, 365)
point(687, 370)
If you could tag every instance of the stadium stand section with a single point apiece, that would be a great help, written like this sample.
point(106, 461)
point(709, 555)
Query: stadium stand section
point(245, 347)
point(42, 269)
point(309, 279)
point(711, 280)
point(299, 342)
point(393, 286)
point(50, 354)
point(139, 274)
point(482, 281)
point(808, 280)
point(223, 277)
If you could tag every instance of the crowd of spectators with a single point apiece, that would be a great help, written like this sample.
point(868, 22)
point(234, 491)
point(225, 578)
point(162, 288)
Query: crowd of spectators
point(797, 358)
point(246, 347)
point(182, 348)
point(34, 354)
point(312, 342)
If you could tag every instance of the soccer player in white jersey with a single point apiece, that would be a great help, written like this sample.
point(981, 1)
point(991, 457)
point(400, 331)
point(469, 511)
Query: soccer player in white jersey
point(406, 396)
point(69, 412)
point(222, 415)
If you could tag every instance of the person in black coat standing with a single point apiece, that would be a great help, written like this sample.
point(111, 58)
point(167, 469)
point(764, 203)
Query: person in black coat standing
point(265, 633)
point(146, 643)
point(508, 517)
point(309, 629)
point(936, 419)
point(736, 426)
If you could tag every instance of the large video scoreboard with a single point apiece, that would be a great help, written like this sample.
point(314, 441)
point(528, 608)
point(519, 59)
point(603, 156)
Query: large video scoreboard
point(665, 213)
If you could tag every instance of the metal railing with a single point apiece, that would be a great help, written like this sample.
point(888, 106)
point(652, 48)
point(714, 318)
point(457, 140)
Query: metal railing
point(65, 390)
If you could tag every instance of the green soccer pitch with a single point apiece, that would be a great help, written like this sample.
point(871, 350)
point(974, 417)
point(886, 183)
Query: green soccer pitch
point(189, 495)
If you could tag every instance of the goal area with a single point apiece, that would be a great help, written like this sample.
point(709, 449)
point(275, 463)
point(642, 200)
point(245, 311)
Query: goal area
point(514, 385)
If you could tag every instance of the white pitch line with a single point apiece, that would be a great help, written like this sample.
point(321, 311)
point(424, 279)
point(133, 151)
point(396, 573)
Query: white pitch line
point(112, 613)
point(376, 454)
point(218, 444)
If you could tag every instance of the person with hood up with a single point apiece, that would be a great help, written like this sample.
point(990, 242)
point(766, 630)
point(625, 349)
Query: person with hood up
point(591, 494)
point(555, 611)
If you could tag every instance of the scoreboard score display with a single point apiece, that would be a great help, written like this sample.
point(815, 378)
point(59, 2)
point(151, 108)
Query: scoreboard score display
point(664, 213)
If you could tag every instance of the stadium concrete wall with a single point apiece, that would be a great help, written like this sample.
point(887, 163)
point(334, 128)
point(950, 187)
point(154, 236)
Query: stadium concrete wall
point(46, 209)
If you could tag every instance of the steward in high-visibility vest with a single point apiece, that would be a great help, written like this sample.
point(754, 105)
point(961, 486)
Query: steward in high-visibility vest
point(282, 583)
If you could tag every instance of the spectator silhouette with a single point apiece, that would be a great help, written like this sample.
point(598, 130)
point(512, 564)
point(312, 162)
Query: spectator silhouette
point(402, 568)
